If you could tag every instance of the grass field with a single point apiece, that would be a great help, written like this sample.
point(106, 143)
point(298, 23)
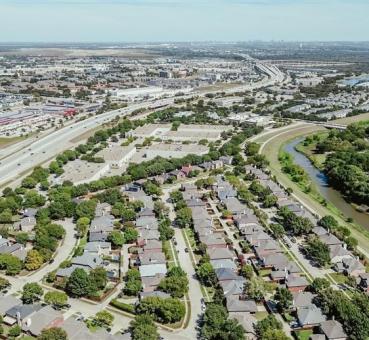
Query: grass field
point(4, 142)
point(271, 147)
point(349, 120)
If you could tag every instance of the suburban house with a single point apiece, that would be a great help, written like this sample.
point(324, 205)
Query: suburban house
point(350, 266)
point(233, 287)
point(310, 316)
point(45, 318)
point(296, 283)
point(333, 330)
point(236, 304)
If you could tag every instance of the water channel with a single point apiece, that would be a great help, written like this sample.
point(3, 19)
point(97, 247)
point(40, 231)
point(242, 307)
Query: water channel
point(321, 182)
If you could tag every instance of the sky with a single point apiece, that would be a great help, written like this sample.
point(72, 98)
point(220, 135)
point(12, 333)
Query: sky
point(183, 20)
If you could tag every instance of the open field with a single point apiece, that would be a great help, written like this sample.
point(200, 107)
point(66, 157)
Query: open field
point(81, 52)
point(349, 120)
point(4, 142)
point(271, 147)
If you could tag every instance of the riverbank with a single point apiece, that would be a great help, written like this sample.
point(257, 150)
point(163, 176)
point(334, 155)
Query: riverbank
point(314, 192)
point(271, 147)
point(308, 149)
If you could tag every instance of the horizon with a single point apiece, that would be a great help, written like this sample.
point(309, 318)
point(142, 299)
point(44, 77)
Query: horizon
point(145, 21)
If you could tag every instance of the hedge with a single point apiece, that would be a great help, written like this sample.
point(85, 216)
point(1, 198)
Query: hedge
point(123, 306)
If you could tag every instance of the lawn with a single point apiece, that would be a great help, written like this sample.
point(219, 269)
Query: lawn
point(338, 277)
point(264, 272)
point(303, 334)
point(261, 315)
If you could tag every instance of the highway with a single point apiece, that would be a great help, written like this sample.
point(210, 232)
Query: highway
point(17, 162)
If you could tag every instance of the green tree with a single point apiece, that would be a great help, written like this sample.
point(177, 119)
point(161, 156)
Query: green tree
point(32, 292)
point(103, 319)
point(78, 283)
point(319, 284)
point(57, 299)
point(21, 238)
point(130, 235)
point(98, 278)
point(11, 264)
point(247, 271)
point(143, 327)
point(275, 334)
point(351, 243)
point(53, 333)
point(318, 251)
point(168, 310)
point(15, 331)
point(184, 217)
point(270, 201)
point(82, 225)
point(269, 323)
point(86, 209)
point(284, 299)
point(277, 230)
point(175, 283)
point(328, 222)
point(116, 238)
point(6, 216)
point(206, 274)
point(255, 288)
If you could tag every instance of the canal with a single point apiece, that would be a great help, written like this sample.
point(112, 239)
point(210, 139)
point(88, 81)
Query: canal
point(321, 182)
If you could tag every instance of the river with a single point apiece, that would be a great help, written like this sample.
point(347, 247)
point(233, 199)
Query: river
point(321, 182)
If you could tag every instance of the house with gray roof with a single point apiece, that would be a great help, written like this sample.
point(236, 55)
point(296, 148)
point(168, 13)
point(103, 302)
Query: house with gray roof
point(87, 261)
point(350, 266)
point(233, 287)
point(20, 312)
point(223, 263)
point(233, 205)
point(147, 222)
point(150, 270)
point(333, 330)
point(274, 260)
point(98, 248)
point(102, 224)
point(15, 249)
point(337, 253)
point(7, 302)
point(296, 283)
point(226, 274)
point(44, 318)
point(27, 224)
point(30, 212)
point(213, 241)
point(151, 258)
point(235, 304)
point(221, 254)
point(330, 240)
point(302, 299)
point(310, 316)
point(155, 293)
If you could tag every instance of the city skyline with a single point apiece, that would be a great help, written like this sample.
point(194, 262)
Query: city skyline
point(182, 20)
